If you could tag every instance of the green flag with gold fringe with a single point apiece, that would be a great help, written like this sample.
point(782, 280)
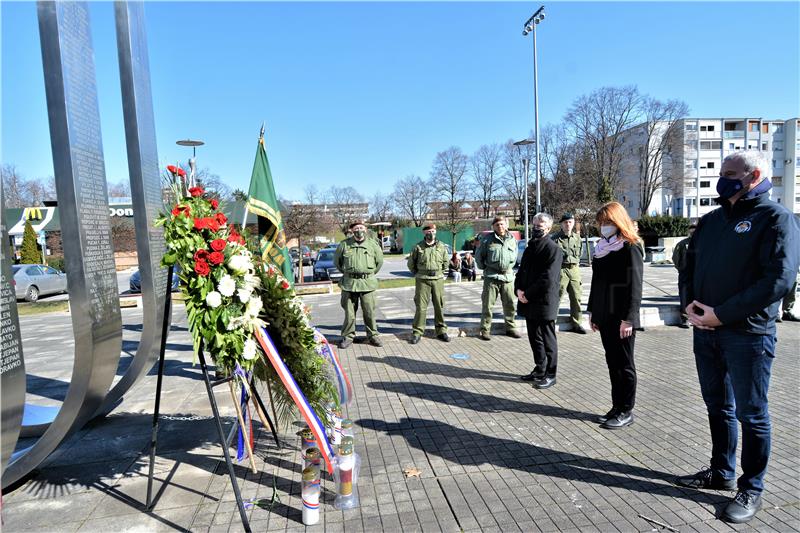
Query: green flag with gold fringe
point(263, 201)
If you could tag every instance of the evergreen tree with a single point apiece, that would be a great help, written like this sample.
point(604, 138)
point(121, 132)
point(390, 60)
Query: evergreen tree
point(30, 250)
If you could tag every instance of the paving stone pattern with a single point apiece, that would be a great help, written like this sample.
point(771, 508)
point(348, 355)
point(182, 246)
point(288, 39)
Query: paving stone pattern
point(495, 454)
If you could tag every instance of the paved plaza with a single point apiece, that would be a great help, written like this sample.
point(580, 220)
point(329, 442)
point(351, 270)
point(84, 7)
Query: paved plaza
point(494, 454)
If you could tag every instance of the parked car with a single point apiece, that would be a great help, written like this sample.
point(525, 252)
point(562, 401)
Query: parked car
point(324, 269)
point(305, 251)
point(32, 281)
point(521, 245)
point(135, 282)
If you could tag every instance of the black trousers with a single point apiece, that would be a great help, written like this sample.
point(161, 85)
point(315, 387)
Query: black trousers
point(621, 368)
point(542, 336)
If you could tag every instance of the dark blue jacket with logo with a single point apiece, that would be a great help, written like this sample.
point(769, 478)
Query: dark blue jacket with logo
point(742, 260)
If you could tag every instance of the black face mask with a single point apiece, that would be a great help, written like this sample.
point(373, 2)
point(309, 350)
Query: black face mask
point(537, 233)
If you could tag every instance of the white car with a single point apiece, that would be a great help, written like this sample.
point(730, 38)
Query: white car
point(32, 281)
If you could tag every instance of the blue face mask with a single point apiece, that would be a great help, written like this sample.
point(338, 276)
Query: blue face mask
point(727, 187)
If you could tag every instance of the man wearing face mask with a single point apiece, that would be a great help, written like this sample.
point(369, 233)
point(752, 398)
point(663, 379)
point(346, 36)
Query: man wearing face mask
point(537, 289)
point(358, 259)
point(570, 277)
point(741, 261)
point(428, 261)
point(497, 255)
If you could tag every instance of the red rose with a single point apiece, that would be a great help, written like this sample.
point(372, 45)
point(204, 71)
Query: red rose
point(200, 223)
point(216, 258)
point(285, 284)
point(172, 169)
point(187, 211)
point(211, 223)
point(221, 219)
point(241, 240)
point(233, 237)
point(181, 172)
point(201, 268)
point(218, 245)
point(176, 211)
point(201, 255)
point(196, 191)
point(214, 203)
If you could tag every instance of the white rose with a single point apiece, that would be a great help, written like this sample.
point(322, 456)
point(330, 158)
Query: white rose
point(227, 286)
point(240, 263)
point(254, 306)
point(244, 295)
point(249, 349)
point(213, 299)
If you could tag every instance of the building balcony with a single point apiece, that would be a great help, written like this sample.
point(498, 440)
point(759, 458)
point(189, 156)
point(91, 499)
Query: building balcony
point(733, 134)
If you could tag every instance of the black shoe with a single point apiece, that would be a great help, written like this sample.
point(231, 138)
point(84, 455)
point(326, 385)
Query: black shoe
point(789, 317)
point(375, 341)
point(622, 419)
point(544, 383)
point(345, 343)
point(705, 479)
point(514, 334)
point(579, 329)
point(744, 506)
point(602, 419)
point(415, 339)
point(533, 376)
point(444, 337)
point(484, 336)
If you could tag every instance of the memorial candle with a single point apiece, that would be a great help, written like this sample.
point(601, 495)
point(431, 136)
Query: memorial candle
point(311, 493)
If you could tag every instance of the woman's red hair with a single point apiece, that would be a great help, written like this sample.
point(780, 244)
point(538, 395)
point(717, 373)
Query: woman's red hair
point(614, 213)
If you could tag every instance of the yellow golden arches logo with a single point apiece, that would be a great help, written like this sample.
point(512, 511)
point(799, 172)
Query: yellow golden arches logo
point(32, 213)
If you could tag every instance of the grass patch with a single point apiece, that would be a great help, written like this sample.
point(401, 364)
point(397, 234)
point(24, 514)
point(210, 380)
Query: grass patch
point(38, 308)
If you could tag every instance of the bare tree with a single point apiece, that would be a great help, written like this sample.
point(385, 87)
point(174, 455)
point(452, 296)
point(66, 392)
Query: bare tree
point(14, 187)
point(345, 204)
point(596, 121)
point(661, 136)
point(411, 196)
point(306, 220)
point(120, 189)
point(486, 172)
point(450, 186)
point(380, 207)
point(514, 173)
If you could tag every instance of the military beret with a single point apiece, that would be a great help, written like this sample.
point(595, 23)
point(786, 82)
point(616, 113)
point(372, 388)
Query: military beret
point(429, 225)
point(566, 216)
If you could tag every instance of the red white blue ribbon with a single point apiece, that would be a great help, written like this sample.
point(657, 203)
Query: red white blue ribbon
point(297, 395)
point(343, 385)
point(244, 398)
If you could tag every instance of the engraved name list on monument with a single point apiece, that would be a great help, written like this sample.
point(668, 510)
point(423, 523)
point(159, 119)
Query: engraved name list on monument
point(87, 159)
point(9, 328)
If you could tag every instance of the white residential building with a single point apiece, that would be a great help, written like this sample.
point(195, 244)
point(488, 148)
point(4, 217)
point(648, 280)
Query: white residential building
point(706, 142)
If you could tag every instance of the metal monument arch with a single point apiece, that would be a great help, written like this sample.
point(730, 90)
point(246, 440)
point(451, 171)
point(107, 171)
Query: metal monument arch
point(73, 112)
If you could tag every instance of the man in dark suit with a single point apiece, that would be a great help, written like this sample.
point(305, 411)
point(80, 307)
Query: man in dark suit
point(536, 286)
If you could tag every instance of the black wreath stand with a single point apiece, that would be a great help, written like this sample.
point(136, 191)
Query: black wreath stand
point(210, 384)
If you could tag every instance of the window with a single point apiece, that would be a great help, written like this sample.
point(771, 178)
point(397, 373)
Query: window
point(691, 127)
point(765, 128)
point(778, 128)
point(710, 145)
point(692, 163)
point(777, 181)
point(730, 146)
point(753, 126)
point(710, 164)
point(706, 128)
point(705, 184)
point(690, 201)
point(33, 271)
point(764, 146)
point(705, 201)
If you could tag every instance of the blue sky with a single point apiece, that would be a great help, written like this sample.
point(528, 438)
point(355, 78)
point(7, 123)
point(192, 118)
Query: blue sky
point(364, 94)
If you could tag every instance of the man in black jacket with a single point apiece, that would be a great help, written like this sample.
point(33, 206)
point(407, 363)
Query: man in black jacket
point(536, 285)
point(741, 261)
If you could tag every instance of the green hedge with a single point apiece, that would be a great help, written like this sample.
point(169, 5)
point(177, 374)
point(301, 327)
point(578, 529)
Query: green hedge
point(663, 226)
point(56, 262)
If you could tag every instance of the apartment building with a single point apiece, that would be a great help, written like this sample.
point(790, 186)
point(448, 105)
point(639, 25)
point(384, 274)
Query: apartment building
point(706, 142)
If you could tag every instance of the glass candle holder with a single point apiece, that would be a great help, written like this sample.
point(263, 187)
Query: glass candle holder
point(311, 495)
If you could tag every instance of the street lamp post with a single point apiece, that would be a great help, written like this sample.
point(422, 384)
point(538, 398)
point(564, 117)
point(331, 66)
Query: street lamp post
point(526, 165)
point(193, 161)
point(530, 26)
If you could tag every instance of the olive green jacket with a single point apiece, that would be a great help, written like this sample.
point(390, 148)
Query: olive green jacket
point(679, 253)
point(428, 261)
point(571, 246)
point(358, 262)
point(496, 256)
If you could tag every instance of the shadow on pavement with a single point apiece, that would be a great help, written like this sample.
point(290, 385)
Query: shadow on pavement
point(416, 366)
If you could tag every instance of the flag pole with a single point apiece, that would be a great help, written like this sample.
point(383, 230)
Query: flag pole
point(246, 209)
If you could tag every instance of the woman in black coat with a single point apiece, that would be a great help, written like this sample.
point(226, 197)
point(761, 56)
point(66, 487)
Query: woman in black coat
point(536, 286)
point(614, 302)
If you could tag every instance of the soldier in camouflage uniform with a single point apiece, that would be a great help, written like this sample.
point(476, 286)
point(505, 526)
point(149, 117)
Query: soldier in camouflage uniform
point(496, 256)
point(570, 282)
point(358, 259)
point(428, 261)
